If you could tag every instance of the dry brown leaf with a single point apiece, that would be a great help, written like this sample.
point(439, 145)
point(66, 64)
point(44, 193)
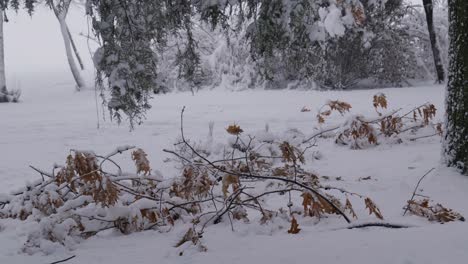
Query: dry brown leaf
point(230, 180)
point(294, 229)
point(349, 207)
point(320, 119)
point(373, 209)
point(234, 130)
point(358, 15)
point(291, 153)
point(429, 111)
point(141, 162)
point(306, 201)
point(149, 214)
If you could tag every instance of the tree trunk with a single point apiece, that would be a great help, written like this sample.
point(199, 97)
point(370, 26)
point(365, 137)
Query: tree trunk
point(3, 89)
point(61, 10)
point(428, 8)
point(71, 60)
point(75, 49)
point(456, 136)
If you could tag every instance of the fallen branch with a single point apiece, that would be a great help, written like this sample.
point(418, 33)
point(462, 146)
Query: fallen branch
point(221, 169)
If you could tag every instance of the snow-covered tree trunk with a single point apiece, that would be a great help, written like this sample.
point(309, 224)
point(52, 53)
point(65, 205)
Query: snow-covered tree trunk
point(61, 11)
point(456, 136)
point(71, 60)
point(3, 89)
point(429, 10)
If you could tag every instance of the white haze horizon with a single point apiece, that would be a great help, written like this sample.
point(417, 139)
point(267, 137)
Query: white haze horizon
point(34, 48)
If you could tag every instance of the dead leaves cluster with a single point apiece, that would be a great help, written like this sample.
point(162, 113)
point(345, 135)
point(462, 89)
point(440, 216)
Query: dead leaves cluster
point(358, 133)
point(380, 101)
point(84, 176)
point(437, 212)
point(339, 106)
point(195, 182)
point(391, 125)
point(316, 206)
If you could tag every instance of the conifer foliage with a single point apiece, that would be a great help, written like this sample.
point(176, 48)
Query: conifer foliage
point(456, 137)
point(332, 44)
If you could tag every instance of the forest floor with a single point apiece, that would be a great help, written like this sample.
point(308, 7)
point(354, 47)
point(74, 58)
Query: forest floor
point(45, 126)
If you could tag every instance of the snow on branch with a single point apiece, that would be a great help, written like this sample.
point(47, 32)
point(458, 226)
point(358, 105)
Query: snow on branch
point(259, 179)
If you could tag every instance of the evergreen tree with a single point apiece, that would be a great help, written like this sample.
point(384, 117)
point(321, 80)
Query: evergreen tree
point(333, 43)
point(125, 59)
point(456, 136)
point(126, 63)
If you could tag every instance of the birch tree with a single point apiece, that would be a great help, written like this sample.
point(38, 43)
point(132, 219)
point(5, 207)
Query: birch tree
point(5, 95)
point(60, 8)
point(456, 136)
point(3, 89)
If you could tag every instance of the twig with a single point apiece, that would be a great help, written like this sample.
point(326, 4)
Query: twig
point(320, 133)
point(104, 159)
point(416, 189)
point(316, 192)
point(426, 136)
point(336, 127)
point(177, 155)
point(386, 225)
point(63, 260)
point(41, 172)
point(227, 209)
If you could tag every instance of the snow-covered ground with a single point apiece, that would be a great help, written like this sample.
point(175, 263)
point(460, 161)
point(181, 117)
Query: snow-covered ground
point(52, 119)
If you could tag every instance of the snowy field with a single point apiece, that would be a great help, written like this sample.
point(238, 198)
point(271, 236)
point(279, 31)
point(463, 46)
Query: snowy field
point(50, 121)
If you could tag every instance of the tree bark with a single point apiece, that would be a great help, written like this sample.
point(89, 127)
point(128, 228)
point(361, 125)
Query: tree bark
point(439, 68)
point(456, 135)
